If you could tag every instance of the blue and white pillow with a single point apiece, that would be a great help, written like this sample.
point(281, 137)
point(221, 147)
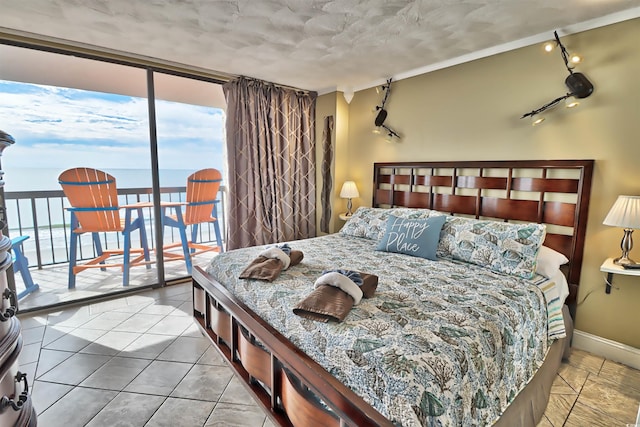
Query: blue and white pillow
point(509, 248)
point(371, 223)
point(416, 237)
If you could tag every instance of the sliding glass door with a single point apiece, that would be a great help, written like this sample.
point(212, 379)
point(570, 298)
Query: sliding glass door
point(190, 123)
point(67, 112)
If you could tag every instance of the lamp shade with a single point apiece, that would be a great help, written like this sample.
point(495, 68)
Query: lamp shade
point(624, 213)
point(349, 190)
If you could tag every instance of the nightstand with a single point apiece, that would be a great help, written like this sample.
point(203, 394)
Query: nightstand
point(344, 217)
point(610, 268)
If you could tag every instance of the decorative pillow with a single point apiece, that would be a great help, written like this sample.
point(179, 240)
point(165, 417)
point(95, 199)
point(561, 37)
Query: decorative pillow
point(371, 223)
point(415, 237)
point(501, 246)
point(549, 262)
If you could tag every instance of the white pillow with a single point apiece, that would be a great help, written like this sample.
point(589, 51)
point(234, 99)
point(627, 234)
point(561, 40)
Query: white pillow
point(549, 261)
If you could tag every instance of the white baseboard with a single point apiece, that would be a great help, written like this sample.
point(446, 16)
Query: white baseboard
point(611, 350)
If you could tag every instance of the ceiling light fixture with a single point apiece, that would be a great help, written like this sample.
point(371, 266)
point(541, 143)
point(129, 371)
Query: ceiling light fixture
point(536, 119)
point(348, 94)
point(382, 113)
point(575, 58)
point(577, 83)
point(571, 102)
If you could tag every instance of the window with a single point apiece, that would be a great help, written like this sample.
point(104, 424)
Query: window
point(66, 112)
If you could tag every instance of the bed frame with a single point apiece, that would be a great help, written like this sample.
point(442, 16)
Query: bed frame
point(286, 382)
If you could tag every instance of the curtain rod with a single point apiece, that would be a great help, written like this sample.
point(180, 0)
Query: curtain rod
point(297, 89)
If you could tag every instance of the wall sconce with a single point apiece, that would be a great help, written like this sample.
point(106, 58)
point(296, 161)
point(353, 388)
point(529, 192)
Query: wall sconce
point(349, 191)
point(577, 83)
point(348, 94)
point(625, 213)
point(382, 114)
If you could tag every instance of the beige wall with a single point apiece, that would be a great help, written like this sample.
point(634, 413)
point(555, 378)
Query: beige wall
point(471, 111)
point(334, 105)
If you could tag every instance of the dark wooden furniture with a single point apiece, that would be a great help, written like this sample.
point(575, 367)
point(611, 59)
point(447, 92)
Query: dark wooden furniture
point(16, 405)
point(286, 382)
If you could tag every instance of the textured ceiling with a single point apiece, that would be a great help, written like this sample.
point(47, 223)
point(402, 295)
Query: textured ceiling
point(310, 44)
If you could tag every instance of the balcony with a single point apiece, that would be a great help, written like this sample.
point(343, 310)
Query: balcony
point(41, 215)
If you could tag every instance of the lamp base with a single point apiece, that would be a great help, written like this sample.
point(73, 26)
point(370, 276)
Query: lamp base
point(626, 245)
point(623, 260)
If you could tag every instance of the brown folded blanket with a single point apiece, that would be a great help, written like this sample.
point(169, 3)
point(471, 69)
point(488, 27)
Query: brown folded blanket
point(263, 268)
point(328, 302)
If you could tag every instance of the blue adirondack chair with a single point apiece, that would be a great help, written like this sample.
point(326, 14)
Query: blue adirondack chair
point(21, 265)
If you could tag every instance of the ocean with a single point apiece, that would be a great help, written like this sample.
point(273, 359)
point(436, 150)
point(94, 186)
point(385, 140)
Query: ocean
point(39, 179)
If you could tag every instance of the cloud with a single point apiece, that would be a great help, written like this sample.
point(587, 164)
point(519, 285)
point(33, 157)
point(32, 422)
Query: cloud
point(59, 126)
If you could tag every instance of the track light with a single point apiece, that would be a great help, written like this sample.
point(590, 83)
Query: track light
point(577, 83)
point(384, 87)
point(575, 58)
point(536, 119)
point(389, 133)
point(381, 115)
point(571, 102)
point(536, 113)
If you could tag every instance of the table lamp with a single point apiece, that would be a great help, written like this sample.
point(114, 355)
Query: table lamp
point(349, 191)
point(625, 213)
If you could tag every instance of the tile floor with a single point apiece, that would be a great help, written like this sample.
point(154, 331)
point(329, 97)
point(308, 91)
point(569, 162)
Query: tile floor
point(53, 281)
point(140, 360)
point(592, 391)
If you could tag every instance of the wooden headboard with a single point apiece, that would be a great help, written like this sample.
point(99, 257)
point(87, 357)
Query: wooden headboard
point(551, 192)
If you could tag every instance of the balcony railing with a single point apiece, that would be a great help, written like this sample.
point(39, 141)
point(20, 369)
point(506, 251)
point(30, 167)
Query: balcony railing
point(42, 216)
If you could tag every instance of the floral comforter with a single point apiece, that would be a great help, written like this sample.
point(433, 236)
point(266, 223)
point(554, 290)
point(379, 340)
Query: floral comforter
point(442, 343)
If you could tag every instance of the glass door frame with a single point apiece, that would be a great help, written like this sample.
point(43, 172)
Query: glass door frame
point(150, 68)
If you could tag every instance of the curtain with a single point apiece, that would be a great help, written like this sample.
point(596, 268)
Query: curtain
point(271, 163)
point(327, 182)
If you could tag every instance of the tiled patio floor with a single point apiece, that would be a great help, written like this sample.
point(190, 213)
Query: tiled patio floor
point(53, 281)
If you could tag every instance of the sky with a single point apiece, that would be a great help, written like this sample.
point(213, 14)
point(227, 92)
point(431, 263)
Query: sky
point(63, 128)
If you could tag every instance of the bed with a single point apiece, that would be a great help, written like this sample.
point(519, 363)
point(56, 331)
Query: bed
point(430, 347)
